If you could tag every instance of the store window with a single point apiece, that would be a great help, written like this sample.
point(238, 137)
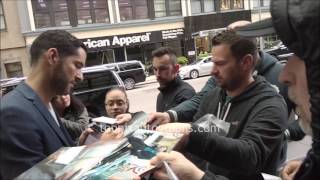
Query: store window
point(134, 53)
point(164, 8)
point(92, 11)
point(202, 6)
point(53, 13)
point(101, 57)
point(13, 69)
point(133, 9)
point(2, 19)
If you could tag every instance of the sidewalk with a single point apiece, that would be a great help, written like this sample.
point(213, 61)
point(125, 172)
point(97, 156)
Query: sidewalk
point(149, 80)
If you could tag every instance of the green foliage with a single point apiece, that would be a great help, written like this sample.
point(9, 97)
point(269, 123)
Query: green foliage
point(203, 54)
point(182, 60)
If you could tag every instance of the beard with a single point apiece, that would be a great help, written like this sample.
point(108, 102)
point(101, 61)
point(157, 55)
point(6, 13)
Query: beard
point(303, 114)
point(231, 83)
point(60, 82)
point(306, 128)
point(304, 121)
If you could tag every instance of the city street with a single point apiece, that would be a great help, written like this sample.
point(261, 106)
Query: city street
point(144, 96)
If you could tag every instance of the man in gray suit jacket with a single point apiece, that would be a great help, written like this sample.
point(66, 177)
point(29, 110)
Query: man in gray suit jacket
point(29, 128)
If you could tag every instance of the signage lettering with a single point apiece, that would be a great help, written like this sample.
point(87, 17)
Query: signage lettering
point(98, 43)
point(102, 43)
point(130, 39)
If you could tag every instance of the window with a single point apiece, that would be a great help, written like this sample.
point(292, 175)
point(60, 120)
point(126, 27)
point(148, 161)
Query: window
point(52, 13)
point(13, 69)
point(231, 4)
point(160, 8)
point(174, 7)
point(2, 20)
point(237, 4)
point(133, 9)
point(202, 6)
point(92, 11)
point(164, 8)
point(263, 3)
point(196, 6)
point(49, 13)
point(225, 4)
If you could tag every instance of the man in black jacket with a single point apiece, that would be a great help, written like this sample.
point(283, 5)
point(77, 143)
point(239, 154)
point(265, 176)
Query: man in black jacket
point(253, 109)
point(172, 89)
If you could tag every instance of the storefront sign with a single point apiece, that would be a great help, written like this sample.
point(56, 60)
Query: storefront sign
point(103, 43)
point(191, 53)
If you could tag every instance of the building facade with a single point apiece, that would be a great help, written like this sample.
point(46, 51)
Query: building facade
point(116, 30)
point(13, 52)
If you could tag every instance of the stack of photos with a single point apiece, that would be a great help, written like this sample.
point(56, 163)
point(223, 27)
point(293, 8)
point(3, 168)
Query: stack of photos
point(73, 162)
point(120, 158)
point(134, 160)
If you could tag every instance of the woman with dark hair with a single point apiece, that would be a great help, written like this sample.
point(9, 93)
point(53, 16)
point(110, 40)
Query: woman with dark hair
point(117, 105)
point(73, 114)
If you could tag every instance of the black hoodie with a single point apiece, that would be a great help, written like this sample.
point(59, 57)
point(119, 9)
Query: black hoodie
point(258, 117)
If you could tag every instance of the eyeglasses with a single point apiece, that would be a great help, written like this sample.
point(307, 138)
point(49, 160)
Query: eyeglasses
point(117, 102)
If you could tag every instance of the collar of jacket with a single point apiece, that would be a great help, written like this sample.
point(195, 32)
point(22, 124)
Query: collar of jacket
point(265, 63)
point(260, 87)
point(171, 85)
point(32, 96)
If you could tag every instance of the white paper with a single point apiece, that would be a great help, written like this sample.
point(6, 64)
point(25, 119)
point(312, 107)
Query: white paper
point(270, 177)
point(67, 156)
point(104, 119)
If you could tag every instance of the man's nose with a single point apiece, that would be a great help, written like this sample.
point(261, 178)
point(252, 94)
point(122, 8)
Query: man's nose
point(156, 73)
point(79, 75)
point(284, 76)
point(115, 106)
point(214, 70)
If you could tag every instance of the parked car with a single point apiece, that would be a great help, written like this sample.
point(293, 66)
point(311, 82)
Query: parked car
point(200, 67)
point(278, 51)
point(131, 72)
point(97, 80)
point(7, 85)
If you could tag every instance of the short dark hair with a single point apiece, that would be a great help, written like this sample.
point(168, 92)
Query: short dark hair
point(63, 41)
point(239, 46)
point(163, 51)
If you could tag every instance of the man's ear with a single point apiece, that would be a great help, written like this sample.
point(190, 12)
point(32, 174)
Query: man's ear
point(52, 56)
point(176, 68)
point(248, 62)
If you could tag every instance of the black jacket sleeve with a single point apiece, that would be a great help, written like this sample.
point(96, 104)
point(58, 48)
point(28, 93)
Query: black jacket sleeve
point(295, 131)
point(249, 152)
point(184, 95)
point(187, 109)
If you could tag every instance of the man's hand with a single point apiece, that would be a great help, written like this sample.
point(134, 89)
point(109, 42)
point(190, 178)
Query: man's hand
point(158, 118)
point(109, 134)
point(182, 128)
point(84, 135)
point(123, 118)
point(181, 166)
point(290, 170)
